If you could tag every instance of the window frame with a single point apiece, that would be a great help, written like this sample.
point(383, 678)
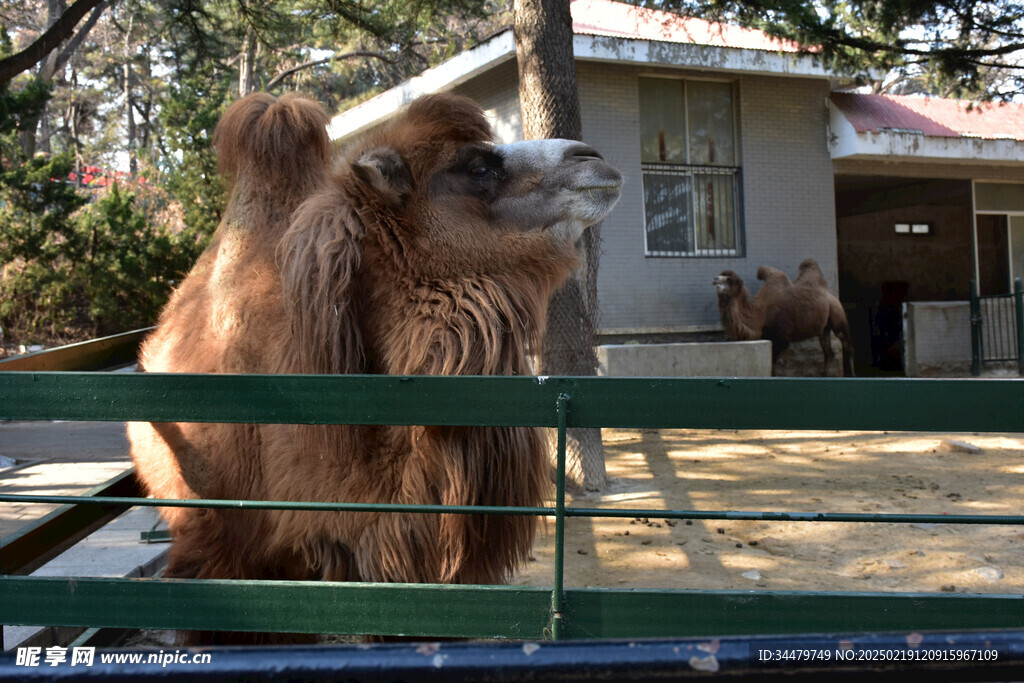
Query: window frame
point(691, 171)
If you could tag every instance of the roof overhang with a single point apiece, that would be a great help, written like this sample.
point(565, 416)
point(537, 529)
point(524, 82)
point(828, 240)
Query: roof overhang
point(893, 145)
point(444, 76)
point(695, 56)
point(608, 49)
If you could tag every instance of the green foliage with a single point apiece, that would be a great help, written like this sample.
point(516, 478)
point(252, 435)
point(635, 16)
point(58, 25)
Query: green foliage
point(149, 81)
point(71, 267)
point(36, 228)
point(189, 163)
point(128, 265)
point(952, 48)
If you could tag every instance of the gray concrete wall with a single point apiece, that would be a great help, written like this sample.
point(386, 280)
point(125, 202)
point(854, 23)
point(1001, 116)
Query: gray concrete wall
point(937, 335)
point(706, 359)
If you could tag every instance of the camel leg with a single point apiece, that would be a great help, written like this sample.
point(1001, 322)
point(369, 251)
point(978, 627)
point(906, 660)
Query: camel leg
point(826, 348)
point(207, 548)
point(842, 330)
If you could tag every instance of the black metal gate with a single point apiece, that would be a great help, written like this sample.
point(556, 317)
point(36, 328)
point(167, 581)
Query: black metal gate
point(997, 328)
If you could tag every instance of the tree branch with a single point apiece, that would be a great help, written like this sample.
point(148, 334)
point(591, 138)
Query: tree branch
point(80, 35)
point(276, 80)
point(46, 43)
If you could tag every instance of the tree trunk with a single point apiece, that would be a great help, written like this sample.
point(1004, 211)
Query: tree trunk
point(59, 26)
point(247, 64)
point(550, 109)
point(129, 100)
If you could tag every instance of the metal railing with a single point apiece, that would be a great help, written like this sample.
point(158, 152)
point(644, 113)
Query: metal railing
point(533, 613)
point(505, 611)
point(997, 328)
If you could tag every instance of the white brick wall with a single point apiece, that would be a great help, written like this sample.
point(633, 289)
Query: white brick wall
point(498, 93)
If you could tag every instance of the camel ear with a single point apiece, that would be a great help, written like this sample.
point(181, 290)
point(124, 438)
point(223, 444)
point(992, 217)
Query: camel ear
point(384, 172)
point(319, 256)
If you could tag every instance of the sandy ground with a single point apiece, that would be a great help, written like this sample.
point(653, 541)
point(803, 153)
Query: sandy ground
point(870, 472)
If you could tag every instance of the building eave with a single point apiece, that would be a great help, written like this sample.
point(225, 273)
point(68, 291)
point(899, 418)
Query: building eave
point(889, 146)
point(699, 57)
point(442, 77)
point(501, 48)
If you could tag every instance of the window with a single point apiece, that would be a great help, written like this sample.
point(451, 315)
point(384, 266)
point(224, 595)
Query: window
point(690, 173)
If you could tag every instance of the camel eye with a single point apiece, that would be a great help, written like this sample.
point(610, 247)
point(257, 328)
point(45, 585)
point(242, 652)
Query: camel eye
point(480, 172)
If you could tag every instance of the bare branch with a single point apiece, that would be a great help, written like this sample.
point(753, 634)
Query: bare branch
point(83, 31)
point(276, 80)
point(46, 43)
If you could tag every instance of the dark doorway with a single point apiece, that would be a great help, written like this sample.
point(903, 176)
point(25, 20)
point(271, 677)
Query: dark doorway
point(882, 266)
point(993, 254)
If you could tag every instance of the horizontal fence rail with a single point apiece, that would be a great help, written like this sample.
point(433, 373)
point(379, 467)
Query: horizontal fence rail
point(507, 611)
point(757, 403)
point(106, 353)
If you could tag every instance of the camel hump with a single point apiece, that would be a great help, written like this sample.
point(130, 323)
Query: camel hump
point(810, 273)
point(769, 274)
point(278, 141)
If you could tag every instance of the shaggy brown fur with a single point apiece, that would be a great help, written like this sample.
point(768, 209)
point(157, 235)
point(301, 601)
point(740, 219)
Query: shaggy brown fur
point(785, 312)
point(424, 250)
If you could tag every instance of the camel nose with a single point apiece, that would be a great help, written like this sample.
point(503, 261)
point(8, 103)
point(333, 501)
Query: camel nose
point(582, 152)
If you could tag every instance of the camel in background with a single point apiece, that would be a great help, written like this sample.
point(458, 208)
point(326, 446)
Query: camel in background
point(785, 312)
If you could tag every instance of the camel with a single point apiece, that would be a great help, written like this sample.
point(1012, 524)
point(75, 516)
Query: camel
point(424, 248)
point(784, 312)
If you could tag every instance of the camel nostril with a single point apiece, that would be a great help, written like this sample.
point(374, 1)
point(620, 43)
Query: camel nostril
point(584, 153)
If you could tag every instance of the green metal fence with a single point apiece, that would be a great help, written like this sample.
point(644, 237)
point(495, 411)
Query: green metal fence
point(997, 328)
point(463, 611)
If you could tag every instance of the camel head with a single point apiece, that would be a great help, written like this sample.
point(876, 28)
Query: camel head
point(728, 284)
point(462, 203)
point(444, 236)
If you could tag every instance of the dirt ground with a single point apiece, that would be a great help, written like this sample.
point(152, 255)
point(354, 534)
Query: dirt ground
point(864, 472)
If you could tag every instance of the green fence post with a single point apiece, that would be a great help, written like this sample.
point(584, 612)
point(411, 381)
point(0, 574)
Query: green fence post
point(557, 592)
point(1018, 300)
point(975, 330)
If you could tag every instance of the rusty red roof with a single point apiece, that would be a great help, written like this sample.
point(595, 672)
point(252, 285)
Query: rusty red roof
point(619, 20)
point(931, 116)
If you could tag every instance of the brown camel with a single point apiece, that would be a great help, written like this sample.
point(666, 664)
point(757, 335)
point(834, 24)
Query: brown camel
point(784, 312)
point(425, 249)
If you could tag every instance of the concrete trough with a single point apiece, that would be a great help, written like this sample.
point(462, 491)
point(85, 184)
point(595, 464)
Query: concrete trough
point(700, 359)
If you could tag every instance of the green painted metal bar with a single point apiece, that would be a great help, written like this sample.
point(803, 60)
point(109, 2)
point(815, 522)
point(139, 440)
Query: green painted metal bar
point(773, 516)
point(97, 354)
point(975, 329)
point(485, 611)
point(557, 595)
point(1018, 307)
point(414, 610)
point(37, 543)
point(612, 613)
point(618, 513)
point(726, 403)
point(279, 505)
